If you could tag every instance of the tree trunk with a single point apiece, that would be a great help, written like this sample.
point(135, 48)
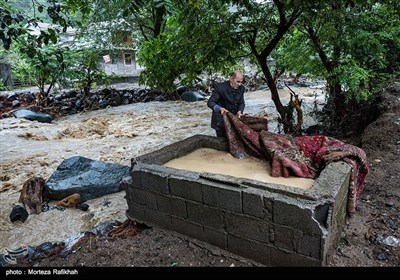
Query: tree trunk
point(6, 74)
point(338, 101)
point(335, 88)
point(285, 22)
point(285, 112)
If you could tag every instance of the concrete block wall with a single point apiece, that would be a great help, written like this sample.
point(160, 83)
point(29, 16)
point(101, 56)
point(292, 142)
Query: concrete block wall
point(272, 224)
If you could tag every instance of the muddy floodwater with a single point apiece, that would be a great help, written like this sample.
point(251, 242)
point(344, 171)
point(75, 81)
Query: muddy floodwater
point(115, 135)
point(220, 162)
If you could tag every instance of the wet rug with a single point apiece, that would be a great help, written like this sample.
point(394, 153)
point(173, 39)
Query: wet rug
point(301, 156)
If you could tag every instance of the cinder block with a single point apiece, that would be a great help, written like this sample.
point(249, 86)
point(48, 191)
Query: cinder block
point(154, 182)
point(249, 227)
point(224, 197)
point(287, 238)
point(296, 214)
point(159, 218)
point(311, 246)
point(187, 189)
point(136, 212)
point(284, 258)
point(141, 197)
point(171, 205)
point(256, 204)
point(257, 251)
point(188, 228)
point(208, 216)
point(214, 237)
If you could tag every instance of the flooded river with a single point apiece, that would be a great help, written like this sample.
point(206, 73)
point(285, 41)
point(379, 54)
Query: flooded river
point(112, 135)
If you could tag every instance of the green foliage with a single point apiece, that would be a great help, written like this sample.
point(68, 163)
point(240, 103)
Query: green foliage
point(22, 72)
point(146, 18)
point(376, 44)
point(47, 64)
point(354, 80)
point(21, 69)
point(296, 54)
point(356, 46)
point(159, 71)
point(211, 36)
point(84, 70)
point(195, 41)
point(11, 24)
point(15, 19)
point(39, 46)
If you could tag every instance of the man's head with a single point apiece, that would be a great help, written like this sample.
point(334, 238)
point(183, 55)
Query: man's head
point(236, 79)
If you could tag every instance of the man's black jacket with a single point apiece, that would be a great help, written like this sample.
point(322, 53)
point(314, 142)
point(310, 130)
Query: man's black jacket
point(227, 97)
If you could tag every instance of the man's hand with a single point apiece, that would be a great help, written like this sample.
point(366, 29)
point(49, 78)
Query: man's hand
point(222, 110)
point(239, 114)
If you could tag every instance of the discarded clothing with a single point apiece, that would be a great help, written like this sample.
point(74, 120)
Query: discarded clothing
point(302, 156)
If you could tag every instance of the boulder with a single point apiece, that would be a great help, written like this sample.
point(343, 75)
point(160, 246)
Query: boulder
point(86, 177)
point(31, 195)
point(18, 213)
point(33, 116)
point(181, 89)
point(192, 96)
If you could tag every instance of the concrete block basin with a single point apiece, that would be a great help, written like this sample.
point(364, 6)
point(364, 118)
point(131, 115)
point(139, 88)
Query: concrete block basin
point(279, 223)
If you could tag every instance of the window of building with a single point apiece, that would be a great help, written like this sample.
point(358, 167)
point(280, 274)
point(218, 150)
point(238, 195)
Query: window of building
point(128, 57)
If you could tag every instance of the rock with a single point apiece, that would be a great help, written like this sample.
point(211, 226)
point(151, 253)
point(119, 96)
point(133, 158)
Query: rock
point(83, 206)
point(46, 250)
point(87, 177)
point(18, 213)
point(33, 116)
point(28, 96)
point(394, 88)
point(70, 201)
point(105, 227)
point(192, 96)
point(31, 195)
point(11, 95)
point(15, 103)
point(181, 89)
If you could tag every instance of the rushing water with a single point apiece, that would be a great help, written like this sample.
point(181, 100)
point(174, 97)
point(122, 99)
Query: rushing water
point(114, 135)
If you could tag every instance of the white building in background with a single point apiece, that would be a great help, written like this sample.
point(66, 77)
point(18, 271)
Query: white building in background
point(117, 54)
point(117, 47)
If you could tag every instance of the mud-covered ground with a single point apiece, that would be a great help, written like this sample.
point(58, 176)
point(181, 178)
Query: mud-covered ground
point(370, 238)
